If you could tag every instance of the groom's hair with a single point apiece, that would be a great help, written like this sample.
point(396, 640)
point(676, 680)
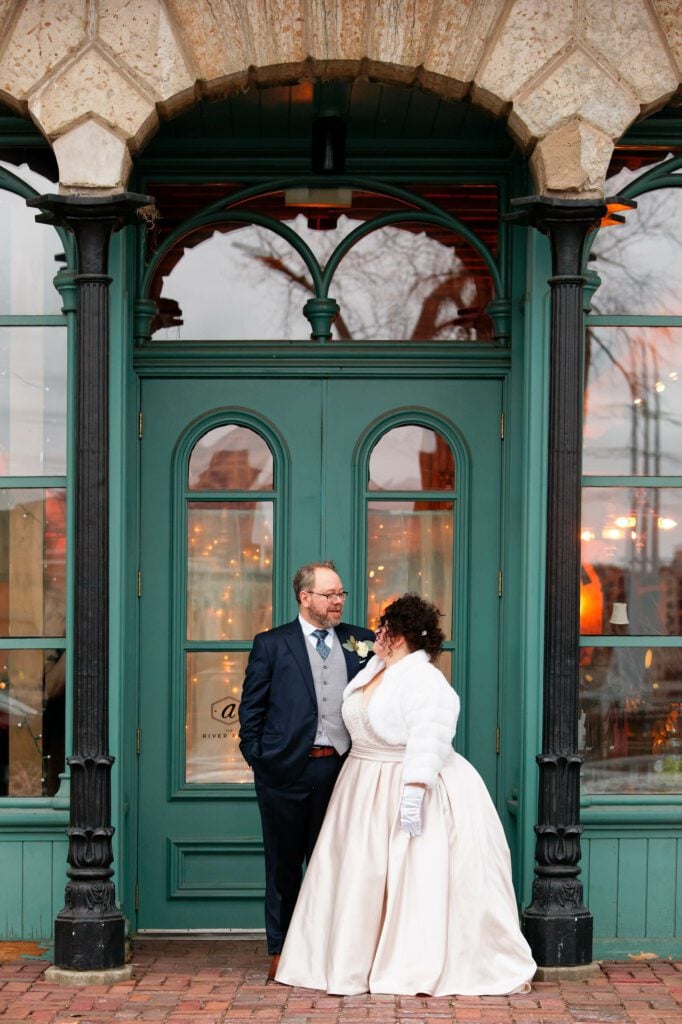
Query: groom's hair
point(305, 577)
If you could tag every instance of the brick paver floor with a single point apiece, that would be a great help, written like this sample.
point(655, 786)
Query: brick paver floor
point(201, 982)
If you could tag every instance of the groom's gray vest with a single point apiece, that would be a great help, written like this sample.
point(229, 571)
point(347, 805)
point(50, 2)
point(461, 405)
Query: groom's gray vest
point(330, 678)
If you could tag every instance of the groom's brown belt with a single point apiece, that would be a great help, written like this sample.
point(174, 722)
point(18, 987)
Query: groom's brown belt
point(323, 752)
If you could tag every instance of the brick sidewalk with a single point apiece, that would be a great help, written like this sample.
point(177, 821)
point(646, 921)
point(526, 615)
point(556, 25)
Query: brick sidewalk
point(188, 982)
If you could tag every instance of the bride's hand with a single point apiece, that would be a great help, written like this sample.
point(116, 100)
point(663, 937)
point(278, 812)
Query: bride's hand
point(411, 809)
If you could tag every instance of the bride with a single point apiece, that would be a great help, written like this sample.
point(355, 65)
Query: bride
point(409, 887)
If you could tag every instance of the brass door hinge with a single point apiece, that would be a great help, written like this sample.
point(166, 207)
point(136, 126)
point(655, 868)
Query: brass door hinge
point(499, 583)
point(139, 425)
point(497, 740)
point(501, 426)
point(138, 737)
point(139, 582)
point(137, 895)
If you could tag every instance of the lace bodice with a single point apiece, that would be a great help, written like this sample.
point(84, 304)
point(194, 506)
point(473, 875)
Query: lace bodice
point(356, 719)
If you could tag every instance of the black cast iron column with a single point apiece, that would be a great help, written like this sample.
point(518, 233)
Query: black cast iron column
point(89, 931)
point(557, 923)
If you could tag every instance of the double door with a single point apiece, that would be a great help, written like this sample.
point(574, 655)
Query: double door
point(242, 481)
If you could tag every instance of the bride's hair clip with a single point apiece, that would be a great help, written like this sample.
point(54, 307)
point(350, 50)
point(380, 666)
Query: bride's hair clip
point(423, 632)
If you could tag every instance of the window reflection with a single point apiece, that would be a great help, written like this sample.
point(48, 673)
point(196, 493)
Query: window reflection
point(27, 260)
point(410, 542)
point(231, 458)
point(32, 562)
point(229, 569)
point(411, 458)
point(32, 401)
point(630, 725)
point(633, 398)
point(239, 283)
point(213, 688)
point(408, 282)
point(639, 262)
point(401, 283)
point(631, 577)
point(32, 686)
point(410, 548)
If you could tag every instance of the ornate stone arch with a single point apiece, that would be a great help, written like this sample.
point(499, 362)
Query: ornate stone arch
point(98, 75)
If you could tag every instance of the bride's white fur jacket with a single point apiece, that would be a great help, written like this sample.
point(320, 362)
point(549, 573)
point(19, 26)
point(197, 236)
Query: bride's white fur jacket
point(414, 706)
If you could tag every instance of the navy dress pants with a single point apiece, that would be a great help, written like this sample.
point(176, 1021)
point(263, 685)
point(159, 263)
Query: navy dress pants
point(292, 818)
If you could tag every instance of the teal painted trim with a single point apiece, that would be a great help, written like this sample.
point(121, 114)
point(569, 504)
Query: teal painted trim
point(388, 219)
point(16, 320)
point(63, 794)
point(654, 178)
point(179, 888)
point(178, 532)
point(239, 217)
point(310, 360)
point(630, 641)
point(640, 320)
point(125, 552)
point(40, 643)
point(221, 211)
point(222, 496)
point(460, 568)
point(638, 815)
point(24, 813)
point(27, 483)
point(533, 356)
point(511, 697)
point(629, 799)
point(245, 645)
point(632, 481)
point(413, 495)
point(217, 645)
point(625, 949)
point(13, 183)
point(217, 791)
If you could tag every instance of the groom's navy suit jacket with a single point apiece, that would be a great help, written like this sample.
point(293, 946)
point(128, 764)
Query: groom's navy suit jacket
point(278, 713)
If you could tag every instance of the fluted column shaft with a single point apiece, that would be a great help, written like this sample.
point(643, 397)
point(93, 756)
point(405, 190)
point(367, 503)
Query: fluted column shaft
point(89, 930)
point(557, 923)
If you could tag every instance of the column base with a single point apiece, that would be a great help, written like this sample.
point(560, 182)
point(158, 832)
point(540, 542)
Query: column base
point(113, 976)
point(559, 940)
point(89, 945)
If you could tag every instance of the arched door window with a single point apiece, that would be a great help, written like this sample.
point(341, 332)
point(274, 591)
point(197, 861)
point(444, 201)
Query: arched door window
point(230, 495)
point(410, 523)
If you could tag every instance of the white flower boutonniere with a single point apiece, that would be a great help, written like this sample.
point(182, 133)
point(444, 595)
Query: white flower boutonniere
point(359, 647)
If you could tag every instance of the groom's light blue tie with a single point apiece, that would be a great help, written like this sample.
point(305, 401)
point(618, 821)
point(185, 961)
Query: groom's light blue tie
point(321, 646)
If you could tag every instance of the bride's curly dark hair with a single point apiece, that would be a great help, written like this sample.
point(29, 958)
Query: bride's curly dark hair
point(417, 620)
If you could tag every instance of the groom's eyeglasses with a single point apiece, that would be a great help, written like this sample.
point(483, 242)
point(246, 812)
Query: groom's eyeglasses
point(339, 595)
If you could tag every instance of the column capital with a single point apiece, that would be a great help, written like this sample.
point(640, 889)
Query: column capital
point(92, 219)
point(566, 222)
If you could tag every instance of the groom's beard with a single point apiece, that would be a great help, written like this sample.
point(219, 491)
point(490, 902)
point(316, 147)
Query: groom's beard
point(326, 620)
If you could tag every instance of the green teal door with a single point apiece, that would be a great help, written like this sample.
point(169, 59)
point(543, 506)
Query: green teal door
point(242, 480)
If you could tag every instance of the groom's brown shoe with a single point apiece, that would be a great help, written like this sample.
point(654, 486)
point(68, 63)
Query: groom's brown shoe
point(274, 964)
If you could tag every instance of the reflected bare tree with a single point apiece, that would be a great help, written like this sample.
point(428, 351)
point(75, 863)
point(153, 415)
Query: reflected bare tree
point(638, 265)
point(395, 283)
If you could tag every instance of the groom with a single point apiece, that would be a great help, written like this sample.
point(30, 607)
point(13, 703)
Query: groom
point(292, 733)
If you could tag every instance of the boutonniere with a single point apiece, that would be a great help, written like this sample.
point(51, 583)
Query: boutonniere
point(359, 647)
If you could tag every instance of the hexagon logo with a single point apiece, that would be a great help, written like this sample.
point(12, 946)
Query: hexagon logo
point(225, 710)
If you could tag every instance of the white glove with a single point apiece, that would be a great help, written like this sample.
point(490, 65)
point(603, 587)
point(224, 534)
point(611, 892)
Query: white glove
point(411, 810)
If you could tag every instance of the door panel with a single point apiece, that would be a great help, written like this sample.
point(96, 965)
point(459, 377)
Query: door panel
point(200, 860)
